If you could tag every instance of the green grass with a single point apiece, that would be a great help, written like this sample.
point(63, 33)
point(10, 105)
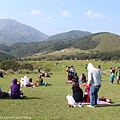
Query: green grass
point(49, 103)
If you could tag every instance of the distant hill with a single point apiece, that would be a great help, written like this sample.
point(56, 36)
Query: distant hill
point(107, 42)
point(4, 55)
point(99, 42)
point(103, 42)
point(69, 35)
point(12, 31)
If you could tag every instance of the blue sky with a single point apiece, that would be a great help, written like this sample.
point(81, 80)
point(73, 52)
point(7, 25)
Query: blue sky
point(56, 16)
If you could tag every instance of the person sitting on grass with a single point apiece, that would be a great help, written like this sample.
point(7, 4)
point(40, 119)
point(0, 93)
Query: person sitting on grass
point(75, 78)
point(77, 93)
point(41, 82)
point(26, 82)
point(82, 78)
point(3, 94)
point(15, 92)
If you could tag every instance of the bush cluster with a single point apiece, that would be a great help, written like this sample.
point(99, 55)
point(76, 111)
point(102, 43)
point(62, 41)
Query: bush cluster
point(15, 65)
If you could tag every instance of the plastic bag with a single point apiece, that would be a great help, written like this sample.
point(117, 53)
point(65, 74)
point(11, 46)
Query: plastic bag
point(70, 99)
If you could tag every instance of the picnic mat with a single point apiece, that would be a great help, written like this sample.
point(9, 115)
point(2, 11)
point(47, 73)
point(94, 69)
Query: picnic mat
point(98, 102)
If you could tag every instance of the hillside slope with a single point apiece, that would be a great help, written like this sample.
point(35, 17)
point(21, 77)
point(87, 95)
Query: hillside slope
point(107, 42)
point(99, 42)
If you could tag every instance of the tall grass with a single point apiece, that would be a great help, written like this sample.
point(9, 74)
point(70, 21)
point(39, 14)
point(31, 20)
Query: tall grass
point(49, 103)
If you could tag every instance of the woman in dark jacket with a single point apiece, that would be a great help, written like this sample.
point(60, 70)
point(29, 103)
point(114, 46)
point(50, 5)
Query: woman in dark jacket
point(15, 89)
point(77, 93)
point(75, 78)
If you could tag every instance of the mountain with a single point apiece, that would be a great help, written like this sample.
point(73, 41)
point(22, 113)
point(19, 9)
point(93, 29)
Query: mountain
point(12, 31)
point(69, 35)
point(103, 42)
point(4, 55)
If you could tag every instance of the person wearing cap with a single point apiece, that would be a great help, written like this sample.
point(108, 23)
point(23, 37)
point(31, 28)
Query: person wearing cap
point(94, 79)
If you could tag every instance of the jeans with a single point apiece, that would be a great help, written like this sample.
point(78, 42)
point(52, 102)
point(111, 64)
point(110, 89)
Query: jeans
point(94, 94)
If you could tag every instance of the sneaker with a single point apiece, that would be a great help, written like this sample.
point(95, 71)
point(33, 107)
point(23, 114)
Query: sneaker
point(90, 106)
point(74, 105)
point(80, 105)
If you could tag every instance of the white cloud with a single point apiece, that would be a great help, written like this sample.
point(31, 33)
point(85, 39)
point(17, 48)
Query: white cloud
point(65, 13)
point(92, 14)
point(35, 12)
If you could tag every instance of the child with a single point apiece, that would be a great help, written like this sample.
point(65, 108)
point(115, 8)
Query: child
point(35, 84)
point(87, 93)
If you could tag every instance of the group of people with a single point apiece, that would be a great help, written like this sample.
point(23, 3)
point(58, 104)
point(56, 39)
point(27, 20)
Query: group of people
point(73, 76)
point(15, 91)
point(27, 82)
point(115, 73)
point(44, 73)
point(92, 86)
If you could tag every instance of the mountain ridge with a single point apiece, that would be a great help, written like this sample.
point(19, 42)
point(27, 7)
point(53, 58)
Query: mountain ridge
point(80, 42)
point(12, 31)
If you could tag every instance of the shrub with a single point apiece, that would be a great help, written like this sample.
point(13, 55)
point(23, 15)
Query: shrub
point(9, 64)
point(26, 66)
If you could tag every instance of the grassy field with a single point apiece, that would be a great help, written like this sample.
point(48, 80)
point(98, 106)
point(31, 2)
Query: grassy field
point(49, 103)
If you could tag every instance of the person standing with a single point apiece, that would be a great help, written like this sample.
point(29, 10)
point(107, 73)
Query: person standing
point(118, 75)
point(94, 79)
point(100, 69)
